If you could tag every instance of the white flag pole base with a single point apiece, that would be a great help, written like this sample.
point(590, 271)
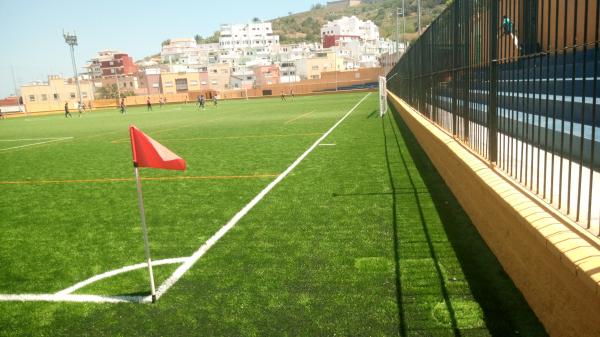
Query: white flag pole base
point(145, 233)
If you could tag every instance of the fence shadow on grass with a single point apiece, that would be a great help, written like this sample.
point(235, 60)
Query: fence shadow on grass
point(505, 311)
point(394, 144)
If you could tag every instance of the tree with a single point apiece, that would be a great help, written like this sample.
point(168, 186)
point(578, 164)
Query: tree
point(166, 42)
point(256, 20)
point(108, 92)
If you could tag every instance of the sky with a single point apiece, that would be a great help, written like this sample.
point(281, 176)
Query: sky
point(33, 45)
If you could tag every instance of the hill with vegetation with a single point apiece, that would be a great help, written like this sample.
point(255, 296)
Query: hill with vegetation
point(306, 26)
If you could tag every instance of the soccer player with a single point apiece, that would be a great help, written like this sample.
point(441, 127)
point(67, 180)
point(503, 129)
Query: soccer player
point(283, 96)
point(202, 101)
point(67, 113)
point(292, 93)
point(148, 104)
point(79, 108)
point(2, 115)
point(122, 106)
point(161, 102)
point(215, 102)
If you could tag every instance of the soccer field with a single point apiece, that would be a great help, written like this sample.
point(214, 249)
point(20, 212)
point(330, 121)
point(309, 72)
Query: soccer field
point(354, 234)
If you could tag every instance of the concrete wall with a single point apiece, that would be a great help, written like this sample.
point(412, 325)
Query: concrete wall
point(553, 262)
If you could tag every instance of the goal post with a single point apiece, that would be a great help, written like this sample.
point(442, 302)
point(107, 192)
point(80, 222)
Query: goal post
point(382, 96)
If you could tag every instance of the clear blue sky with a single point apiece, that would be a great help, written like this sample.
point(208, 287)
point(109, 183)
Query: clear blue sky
point(31, 31)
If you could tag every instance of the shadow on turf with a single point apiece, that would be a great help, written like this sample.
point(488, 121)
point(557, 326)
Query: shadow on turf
point(506, 313)
point(414, 190)
point(372, 113)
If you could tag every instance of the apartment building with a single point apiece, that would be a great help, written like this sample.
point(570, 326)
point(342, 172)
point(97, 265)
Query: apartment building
point(53, 94)
point(251, 35)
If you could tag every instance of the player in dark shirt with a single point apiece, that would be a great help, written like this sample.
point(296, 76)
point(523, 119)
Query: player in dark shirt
point(67, 113)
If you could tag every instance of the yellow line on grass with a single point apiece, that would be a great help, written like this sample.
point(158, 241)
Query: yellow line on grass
point(229, 137)
point(297, 118)
point(126, 140)
point(111, 180)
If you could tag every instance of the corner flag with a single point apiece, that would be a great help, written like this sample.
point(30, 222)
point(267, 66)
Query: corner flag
point(149, 153)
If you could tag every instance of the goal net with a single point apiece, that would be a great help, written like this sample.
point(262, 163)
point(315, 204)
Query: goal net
point(382, 96)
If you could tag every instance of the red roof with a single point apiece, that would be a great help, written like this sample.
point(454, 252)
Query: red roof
point(9, 101)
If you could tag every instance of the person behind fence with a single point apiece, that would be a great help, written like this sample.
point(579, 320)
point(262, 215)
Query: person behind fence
point(148, 104)
point(67, 113)
point(507, 25)
point(2, 114)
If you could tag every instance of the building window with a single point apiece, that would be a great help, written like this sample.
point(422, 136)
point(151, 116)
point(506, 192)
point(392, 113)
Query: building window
point(213, 82)
point(73, 95)
point(44, 97)
point(84, 94)
point(56, 97)
point(203, 82)
point(155, 85)
point(31, 98)
point(168, 84)
point(131, 84)
point(315, 67)
point(194, 83)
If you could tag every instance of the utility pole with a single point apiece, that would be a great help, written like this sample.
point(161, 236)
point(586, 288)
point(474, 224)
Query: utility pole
point(397, 30)
point(403, 27)
point(419, 16)
point(71, 40)
point(12, 69)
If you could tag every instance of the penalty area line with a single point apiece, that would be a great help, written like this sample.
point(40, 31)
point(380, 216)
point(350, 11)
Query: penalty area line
point(181, 270)
point(38, 143)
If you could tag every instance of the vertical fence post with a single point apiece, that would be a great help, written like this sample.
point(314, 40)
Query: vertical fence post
point(455, 63)
point(467, 17)
point(492, 115)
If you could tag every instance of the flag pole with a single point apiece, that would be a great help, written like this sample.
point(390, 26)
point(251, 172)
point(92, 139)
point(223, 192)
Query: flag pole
point(145, 232)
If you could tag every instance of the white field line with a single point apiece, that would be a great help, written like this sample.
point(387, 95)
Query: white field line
point(71, 298)
point(327, 144)
point(38, 143)
point(67, 296)
point(162, 289)
point(30, 139)
point(115, 272)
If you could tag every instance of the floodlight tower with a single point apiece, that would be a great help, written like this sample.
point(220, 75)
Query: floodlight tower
point(71, 40)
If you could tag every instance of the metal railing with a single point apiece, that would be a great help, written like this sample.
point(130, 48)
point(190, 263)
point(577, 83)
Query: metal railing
point(517, 81)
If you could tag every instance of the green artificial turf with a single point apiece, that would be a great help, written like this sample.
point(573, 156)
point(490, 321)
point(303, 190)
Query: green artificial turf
point(361, 239)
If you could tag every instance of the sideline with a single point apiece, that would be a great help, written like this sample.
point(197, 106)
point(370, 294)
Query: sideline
point(162, 289)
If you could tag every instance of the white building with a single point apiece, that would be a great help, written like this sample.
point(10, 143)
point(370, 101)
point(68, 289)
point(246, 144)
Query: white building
point(350, 26)
point(180, 51)
point(252, 35)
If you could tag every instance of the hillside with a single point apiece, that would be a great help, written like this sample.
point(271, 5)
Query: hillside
point(306, 26)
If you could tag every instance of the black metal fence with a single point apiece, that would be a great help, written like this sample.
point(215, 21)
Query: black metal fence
point(517, 81)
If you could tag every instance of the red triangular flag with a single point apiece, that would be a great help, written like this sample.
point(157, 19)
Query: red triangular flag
point(149, 153)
